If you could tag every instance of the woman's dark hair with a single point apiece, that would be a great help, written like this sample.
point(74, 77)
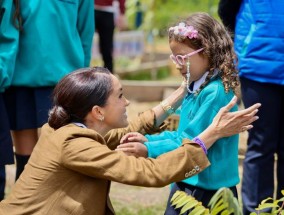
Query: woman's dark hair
point(17, 15)
point(76, 94)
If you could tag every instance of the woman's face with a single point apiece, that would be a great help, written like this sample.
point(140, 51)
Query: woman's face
point(198, 62)
point(115, 115)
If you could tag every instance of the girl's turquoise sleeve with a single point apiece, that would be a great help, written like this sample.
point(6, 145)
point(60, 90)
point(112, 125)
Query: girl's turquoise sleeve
point(86, 26)
point(162, 136)
point(9, 38)
point(164, 142)
point(157, 148)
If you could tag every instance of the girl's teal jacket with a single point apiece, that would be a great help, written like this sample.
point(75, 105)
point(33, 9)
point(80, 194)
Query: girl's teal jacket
point(55, 40)
point(197, 113)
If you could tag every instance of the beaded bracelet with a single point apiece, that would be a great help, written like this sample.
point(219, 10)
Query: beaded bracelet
point(167, 108)
point(201, 143)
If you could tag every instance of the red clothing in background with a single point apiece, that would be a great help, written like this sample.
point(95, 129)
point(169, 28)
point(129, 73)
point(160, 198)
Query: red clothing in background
point(109, 3)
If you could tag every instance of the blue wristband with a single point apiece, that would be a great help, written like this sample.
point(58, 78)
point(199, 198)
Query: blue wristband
point(200, 142)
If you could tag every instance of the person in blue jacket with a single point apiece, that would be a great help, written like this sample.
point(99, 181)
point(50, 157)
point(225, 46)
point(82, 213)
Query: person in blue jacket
point(259, 44)
point(54, 38)
point(7, 45)
point(204, 54)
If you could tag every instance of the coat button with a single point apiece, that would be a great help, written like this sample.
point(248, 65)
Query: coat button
point(197, 168)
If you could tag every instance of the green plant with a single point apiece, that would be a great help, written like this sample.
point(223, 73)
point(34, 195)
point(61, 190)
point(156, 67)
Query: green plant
point(160, 14)
point(224, 203)
point(277, 206)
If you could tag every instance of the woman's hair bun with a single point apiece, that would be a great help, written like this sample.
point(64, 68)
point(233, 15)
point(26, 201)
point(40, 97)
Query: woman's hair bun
point(58, 117)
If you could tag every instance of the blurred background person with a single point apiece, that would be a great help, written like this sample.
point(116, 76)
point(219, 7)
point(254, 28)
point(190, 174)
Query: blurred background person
point(227, 11)
point(107, 17)
point(55, 38)
point(259, 44)
point(7, 60)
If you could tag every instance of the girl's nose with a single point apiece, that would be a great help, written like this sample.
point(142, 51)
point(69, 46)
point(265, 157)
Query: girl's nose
point(178, 66)
point(127, 102)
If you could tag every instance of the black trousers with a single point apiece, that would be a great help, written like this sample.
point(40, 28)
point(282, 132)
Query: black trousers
point(266, 139)
point(105, 28)
point(199, 194)
point(2, 182)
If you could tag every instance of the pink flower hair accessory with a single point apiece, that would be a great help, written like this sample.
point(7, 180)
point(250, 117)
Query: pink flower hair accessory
point(183, 30)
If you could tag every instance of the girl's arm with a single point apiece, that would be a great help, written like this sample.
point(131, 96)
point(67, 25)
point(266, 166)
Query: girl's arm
point(169, 105)
point(224, 124)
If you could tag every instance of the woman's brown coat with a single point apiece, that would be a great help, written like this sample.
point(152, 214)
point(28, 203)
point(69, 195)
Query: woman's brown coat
point(70, 171)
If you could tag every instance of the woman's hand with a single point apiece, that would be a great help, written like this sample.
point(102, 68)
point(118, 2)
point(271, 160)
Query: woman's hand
point(133, 137)
point(228, 123)
point(132, 144)
point(136, 149)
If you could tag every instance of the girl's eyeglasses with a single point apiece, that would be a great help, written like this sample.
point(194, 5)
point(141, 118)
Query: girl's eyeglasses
point(179, 59)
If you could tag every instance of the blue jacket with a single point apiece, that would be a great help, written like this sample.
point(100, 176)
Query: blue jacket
point(56, 39)
point(259, 40)
point(197, 113)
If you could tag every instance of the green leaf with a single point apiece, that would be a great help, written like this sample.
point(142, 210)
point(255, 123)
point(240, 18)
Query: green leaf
point(225, 212)
point(189, 205)
point(265, 200)
point(216, 197)
point(182, 201)
point(282, 191)
point(218, 209)
point(176, 194)
point(197, 211)
point(179, 196)
point(236, 209)
point(206, 212)
point(267, 205)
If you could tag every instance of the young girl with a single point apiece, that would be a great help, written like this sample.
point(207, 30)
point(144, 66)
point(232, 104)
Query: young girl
point(203, 53)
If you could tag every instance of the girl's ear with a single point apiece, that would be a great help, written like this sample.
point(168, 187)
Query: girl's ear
point(98, 113)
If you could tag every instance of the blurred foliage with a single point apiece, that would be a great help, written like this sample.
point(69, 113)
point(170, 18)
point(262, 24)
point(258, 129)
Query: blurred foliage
point(276, 206)
point(223, 202)
point(161, 73)
point(160, 14)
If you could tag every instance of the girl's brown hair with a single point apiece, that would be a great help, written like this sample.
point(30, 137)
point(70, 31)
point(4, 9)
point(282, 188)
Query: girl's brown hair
point(218, 47)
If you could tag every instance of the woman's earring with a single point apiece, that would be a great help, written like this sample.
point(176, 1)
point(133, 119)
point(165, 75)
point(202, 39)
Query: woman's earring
point(102, 118)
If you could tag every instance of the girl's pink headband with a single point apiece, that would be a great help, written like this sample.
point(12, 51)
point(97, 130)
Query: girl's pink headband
point(183, 30)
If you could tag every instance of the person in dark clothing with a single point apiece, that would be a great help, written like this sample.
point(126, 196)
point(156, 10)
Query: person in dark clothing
point(106, 20)
point(227, 11)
